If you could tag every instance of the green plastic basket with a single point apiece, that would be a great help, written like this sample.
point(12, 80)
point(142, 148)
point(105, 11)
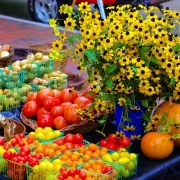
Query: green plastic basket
point(32, 174)
point(45, 67)
point(13, 170)
point(35, 87)
point(9, 101)
point(13, 80)
point(30, 73)
point(1, 78)
point(112, 175)
point(50, 140)
point(127, 170)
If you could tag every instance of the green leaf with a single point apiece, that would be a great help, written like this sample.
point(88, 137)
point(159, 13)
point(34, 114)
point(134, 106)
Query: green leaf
point(102, 121)
point(89, 72)
point(106, 96)
point(177, 47)
point(118, 45)
point(172, 81)
point(146, 116)
point(122, 125)
point(134, 68)
point(111, 68)
point(145, 103)
point(109, 83)
point(163, 118)
point(74, 37)
point(91, 54)
point(154, 60)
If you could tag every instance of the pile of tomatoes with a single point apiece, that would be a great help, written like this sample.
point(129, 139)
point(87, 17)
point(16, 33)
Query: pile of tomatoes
point(57, 109)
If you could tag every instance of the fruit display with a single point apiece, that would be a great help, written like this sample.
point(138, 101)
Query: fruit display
point(15, 163)
point(75, 174)
point(157, 145)
point(56, 109)
point(104, 170)
point(71, 141)
point(127, 162)
point(8, 99)
point(4, 50)
point(114, 142)
point(92, 151)
point(45, 170)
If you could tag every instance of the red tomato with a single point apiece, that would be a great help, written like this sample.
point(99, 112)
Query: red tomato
point(57, 111)
point(65, 105)
point(45, 121)
point(8, 155)
point(83, 175)
point(71, 172)
point(32, 96)
point(113, 138)
point(25, 149)
point(30, 108)
point(88, 94)
point(78, 138)
point(125, 142)
point(64, 174)
point(63, 169)
point(68, 95)
point(49, 102)
point(112, 146)
point(42, 94)
point(69, 145)
point(82, 101)
point(60, 123)
point(70, 114)
point(59, 141)
point(69, 138)
point(2, 141)
point(103, 143)
point(57, 93)
point(43, 111)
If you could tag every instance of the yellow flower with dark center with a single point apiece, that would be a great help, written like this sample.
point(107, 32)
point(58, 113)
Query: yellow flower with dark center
point(129, 73)
point(119, 87)
point(100, 105)
point(142, 85)
point(107, 55)
point(144, 73)
point(70, 23)
point(156, 118)
point(149, 91)
point(122, 101)
point(53, 23)
point(56, 31)
point(128, 90)
point(124, 61)
point(108, 43)
point(57, 45)
point(176, 95)
point(94, 17)
point(151, 126)
point(65, 9)
point(55, 55)
point(84, 7)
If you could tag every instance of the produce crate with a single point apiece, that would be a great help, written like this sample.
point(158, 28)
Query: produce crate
point(59, 83)
point(9, 101)
point(32, 148)
point(33, 174)
point(128, 169)
point(1, 78)
point(44, 67)
point(35, 87)
point(13, 80)
point(13, 170)
point(112, 175)
point(50, 140)
point(30, 73)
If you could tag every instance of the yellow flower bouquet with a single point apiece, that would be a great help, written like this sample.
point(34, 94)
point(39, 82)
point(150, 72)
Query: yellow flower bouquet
point(133, 54)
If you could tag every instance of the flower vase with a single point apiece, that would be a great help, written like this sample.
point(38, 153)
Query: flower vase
point(136, 121)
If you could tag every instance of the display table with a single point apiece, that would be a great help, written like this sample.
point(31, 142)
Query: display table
point(168, 169)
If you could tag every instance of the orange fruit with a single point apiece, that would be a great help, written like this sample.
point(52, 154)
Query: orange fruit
point(62, 148)
point(100, 162)
point(51, 153)
point(74, 157)
point(89, 178)
point(102, 153)
point(92, 147)
point(58, 152)
point(88, 153)
point(95, 155)
point(82, 150)
point(91, 162)
point(36, 142)
point(55, 147)
point(64, 157)
point(104, 149)
point(91, 169)
point(68, 153)
point(98, 171)
point(31, 137)
point(76, 153)
point(86, 158)
point(46, 151)
point(86, 166)
point(39, 149)
point(98, 151)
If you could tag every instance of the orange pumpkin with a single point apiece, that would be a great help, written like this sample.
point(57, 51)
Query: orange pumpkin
point(156, 145)
point(172, 114)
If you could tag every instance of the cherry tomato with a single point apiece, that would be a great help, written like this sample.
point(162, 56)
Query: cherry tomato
point(21, 135)
point(83, 175)
point(30, 109)
point(112, 146)
point(63, 169)
point(69, 145)
point(2, 141)
point(57, 111)
point(103, 143)
point(49, 102)
point(82, 101)
point(88, 94)
point(32, 96)
point(70, 114)
point(125, 142)
point(78, 138)
point(25, 149)
point(60, 123)
point(8, 155)
point(59, 141)
point(45, 121)
point(68, 95)
point(113, 138)
point(71, 172)
point(42, 94)
point(64, 174)
point(69, 138)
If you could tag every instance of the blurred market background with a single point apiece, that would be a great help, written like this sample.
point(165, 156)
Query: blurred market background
point(18, 8)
